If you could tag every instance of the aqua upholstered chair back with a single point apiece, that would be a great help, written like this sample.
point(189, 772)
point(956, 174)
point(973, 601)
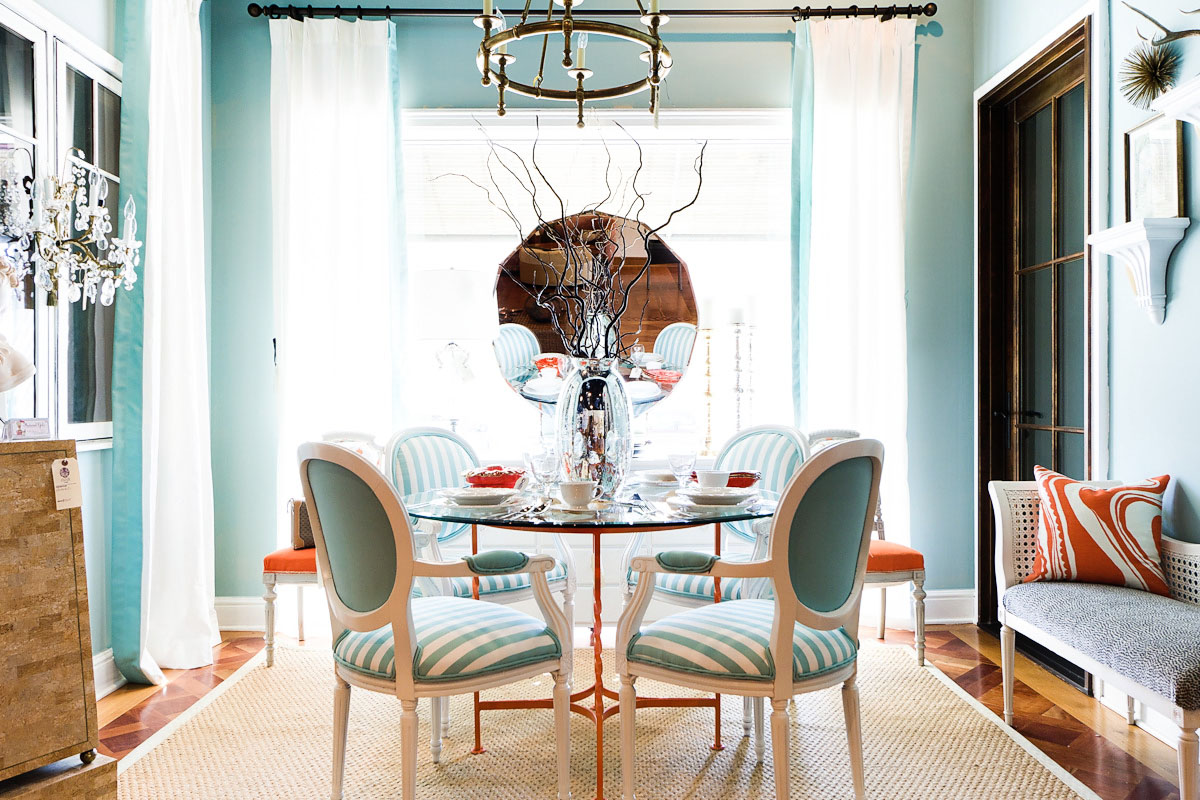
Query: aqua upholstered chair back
point(362, 533)
point(427, 459)
point(515, 347)
point(777, 451)
point(675, 343)
point(820, 535)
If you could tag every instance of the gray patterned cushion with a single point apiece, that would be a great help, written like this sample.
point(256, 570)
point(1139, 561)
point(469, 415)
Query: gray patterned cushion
point(1152, 640)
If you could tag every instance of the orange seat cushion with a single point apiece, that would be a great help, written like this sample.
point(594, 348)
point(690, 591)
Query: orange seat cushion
point(892, 557)
point(290, 560)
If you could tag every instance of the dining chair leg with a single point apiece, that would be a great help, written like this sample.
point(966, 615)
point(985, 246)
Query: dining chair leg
point(569, 605)
point(562, 732)
point(628, 709)
point(882, 631)
point(760, 735)
point(747, 715)
point(780, 735)
point(445, 717)
point(299, 612)
point(408, 749)
point(435, 729)
point(1130, 710)
point(919, 615)
point(1188, 749)
point(1008, 654)
point(854, 735)
point(341, 724)
point(269, 632)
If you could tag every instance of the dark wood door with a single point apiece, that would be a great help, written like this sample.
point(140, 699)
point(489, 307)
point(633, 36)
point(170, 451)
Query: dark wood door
point(1033, 279)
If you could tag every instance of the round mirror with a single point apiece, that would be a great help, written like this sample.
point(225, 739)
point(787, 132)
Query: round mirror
point(594, 285)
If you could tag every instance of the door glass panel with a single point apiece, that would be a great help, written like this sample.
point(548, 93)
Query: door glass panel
point(16, 82)
point(1072, 165)
point(79, 109)
point(1036, 145)
point(1037, 449)
point(1071, 459)
point(109, 134)
point(90, 349)
point(1072, 333)
point(1035, 402)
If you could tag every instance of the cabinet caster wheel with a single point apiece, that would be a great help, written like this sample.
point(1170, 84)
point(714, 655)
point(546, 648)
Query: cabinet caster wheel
point(87, 756)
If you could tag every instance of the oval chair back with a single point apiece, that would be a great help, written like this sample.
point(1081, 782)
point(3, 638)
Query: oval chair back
point(675, 344)
point(515, 347)
point(427, 459)
point(777, 451)
point(820, 537)
point(364, 543)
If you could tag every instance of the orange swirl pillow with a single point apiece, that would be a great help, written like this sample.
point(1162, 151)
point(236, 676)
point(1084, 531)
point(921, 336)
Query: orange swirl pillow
point(1092, 535)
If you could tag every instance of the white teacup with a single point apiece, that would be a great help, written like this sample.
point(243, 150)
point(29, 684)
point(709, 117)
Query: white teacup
point(577, 494)
point(712, 479)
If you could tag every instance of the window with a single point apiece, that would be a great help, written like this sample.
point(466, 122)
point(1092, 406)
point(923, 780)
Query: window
point(55, 97)
point(89, 135)
point(735, 241)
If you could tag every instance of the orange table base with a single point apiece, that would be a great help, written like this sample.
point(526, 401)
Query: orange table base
point(599, 711)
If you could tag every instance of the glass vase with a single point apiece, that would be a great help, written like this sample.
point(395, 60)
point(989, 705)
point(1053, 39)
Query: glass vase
point(593, 425)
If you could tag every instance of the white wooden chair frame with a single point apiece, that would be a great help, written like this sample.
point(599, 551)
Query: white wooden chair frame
point(788, 610)
point(1016, 507)
point(397, 612)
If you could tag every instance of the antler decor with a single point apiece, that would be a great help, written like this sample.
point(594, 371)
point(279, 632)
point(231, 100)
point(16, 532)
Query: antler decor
point(1168, 35)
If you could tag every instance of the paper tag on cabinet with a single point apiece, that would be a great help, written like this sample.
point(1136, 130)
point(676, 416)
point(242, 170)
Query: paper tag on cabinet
point(68, 492)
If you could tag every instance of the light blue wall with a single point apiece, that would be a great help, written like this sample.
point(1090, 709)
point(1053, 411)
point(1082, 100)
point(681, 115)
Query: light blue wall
point(719, 67)
point(95, 19)
point(1154, 388)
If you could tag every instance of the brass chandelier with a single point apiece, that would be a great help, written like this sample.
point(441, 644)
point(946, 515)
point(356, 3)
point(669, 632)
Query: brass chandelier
point(494, 60)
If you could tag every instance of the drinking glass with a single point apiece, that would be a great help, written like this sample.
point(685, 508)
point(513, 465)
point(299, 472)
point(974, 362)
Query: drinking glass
point(543, 466)
point(682, 465)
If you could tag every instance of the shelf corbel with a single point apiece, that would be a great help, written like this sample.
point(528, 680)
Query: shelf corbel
point(1182, 102)
point(1144, 247)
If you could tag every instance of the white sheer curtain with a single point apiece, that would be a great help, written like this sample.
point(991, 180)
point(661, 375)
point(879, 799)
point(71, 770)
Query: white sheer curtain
point(332, 182)
point(857, 359)
point(180, 626)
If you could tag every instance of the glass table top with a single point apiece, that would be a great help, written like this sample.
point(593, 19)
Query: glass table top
point(631, 509)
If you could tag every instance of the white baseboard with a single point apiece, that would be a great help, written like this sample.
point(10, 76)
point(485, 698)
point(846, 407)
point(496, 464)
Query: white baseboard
point(241, 614)
point(107, 677)
point(942, 607)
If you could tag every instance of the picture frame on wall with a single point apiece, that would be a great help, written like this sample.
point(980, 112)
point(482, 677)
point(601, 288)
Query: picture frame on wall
point(1154, 169)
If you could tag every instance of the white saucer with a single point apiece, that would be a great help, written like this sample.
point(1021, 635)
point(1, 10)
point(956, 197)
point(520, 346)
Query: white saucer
point(478, 496)
point(593, 507)
point(684, 503)
point(717, 496)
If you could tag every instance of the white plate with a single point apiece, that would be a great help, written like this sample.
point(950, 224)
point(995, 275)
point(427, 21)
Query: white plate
point(683, 503)
point(644, 359)
point(642, 391)
point(561, 507)
point(654, 477)
point(478, 495)
point(543, 387)
point(723, 496)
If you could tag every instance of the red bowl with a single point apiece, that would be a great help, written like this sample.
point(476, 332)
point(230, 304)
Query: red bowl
point(494, 477)
point(664, 377)
point(743, 480)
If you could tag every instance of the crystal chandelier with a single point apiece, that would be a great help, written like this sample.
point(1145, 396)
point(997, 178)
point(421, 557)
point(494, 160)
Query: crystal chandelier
point(494, 60)
point(65, 240)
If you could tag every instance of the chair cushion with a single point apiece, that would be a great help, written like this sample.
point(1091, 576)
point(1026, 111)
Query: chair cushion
point(1152, 640)
point(456, 638)
point(892, 557)
point(290, 560)
point(732, 640)
point(1097, 535)
point(699, 587)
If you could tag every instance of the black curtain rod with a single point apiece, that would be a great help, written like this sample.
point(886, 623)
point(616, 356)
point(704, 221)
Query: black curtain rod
point(796, 13)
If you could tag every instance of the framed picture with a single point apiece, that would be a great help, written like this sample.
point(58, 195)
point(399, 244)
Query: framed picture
point(1154, 169)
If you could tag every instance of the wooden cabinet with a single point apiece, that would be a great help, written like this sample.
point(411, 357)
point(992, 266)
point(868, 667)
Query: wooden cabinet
point(47, 697)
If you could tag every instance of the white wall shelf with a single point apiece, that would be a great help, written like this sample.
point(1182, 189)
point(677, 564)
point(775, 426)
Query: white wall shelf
point(1144, 247)
point(1181, 102)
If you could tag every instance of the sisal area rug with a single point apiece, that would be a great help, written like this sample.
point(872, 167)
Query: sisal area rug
point(268, 736)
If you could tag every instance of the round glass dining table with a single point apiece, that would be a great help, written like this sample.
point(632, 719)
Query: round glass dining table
point(636, 512)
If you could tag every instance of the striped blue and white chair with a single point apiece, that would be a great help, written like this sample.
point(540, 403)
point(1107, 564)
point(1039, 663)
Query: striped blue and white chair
point(675, 343)
point(515, 347)
point(777, 451)
point(803, 640)
point(386, 640)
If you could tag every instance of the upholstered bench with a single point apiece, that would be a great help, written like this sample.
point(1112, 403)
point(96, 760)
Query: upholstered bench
point(1143, 644)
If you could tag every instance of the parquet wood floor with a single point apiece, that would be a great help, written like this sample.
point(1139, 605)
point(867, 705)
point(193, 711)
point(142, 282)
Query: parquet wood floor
point(1090, 741)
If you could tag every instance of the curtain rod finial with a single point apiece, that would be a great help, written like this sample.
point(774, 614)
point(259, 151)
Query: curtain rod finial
point(930, 9)
point(254, 10)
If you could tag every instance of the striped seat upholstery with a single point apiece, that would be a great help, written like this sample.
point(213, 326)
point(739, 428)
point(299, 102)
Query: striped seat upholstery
point(699, 585)
point(674, 344)
point(732, 640)
point(515, 348)
point(499, 584)
point(456, 638)
point(776, 452)
point(425, 460)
